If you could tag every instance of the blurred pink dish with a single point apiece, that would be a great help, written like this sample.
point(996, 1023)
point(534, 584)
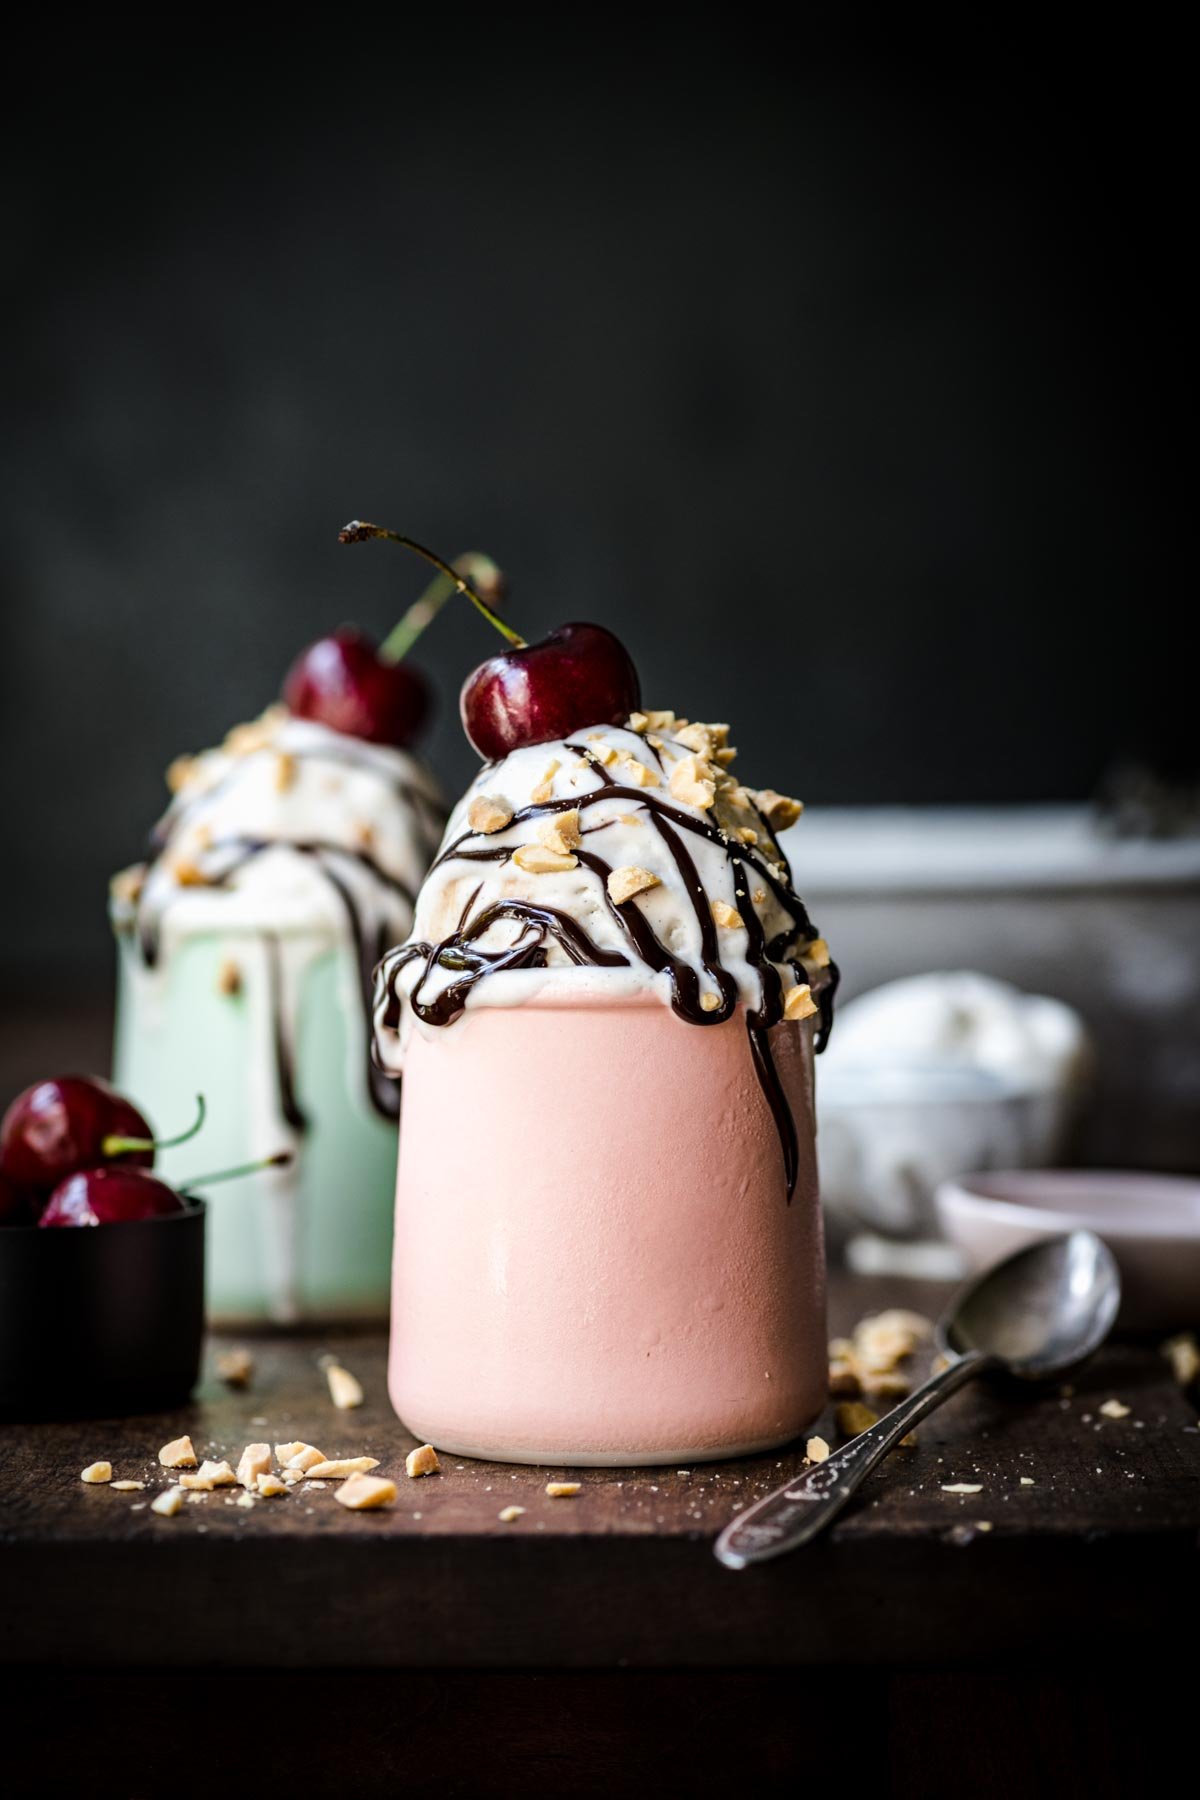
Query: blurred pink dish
point(1151, 1223)
point(595, 1258)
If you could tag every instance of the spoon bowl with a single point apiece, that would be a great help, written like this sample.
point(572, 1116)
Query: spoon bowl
point(1040, 1311)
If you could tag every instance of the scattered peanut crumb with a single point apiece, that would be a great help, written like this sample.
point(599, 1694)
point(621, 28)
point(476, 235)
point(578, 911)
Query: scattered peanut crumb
point(422, 1461)
point(96, 1473)
point(563, 1490)
point(962, 1487)
point(816, 951)
point(509, 1513)
point(128, 1487)
point(342, 1466)
point(255, 1460)
point(853, 1417)
point(363, 1493)
point(345, 1390)
point(1027, 1481)
point(869, 1362)
point(1115, 1409)
point(488, 813)
point(178, 1454)
point(1183, 1354)
point(816, 1449)
point(271, 1487)
point(727, 917)
point(709, 1002)
point(210, 1475)
point(303, 1457)
point(236, 1366)
point(168, 1503)
point(625, 882)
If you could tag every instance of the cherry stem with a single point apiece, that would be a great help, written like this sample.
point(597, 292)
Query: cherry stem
point(358, 531)
point(280, 1160)
point(126, 1146)
point(474, 566)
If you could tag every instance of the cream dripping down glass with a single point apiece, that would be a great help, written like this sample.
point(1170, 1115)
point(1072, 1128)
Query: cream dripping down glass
point(608, 1242)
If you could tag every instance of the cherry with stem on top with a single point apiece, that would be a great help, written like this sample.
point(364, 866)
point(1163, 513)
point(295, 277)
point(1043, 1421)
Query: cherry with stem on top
point(577, 675)
point(351, 685)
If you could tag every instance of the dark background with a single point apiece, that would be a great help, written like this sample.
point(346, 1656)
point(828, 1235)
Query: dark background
point(843, 393)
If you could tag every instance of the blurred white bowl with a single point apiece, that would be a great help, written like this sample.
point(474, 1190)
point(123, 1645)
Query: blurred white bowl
point(887, 1137)
point(1150, 1222)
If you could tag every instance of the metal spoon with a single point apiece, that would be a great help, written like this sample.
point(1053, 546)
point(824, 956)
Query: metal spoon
point(1032, 1317)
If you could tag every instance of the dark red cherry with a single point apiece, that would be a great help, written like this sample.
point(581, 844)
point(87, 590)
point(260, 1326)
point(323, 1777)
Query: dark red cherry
point(16, 1208)
point(110, 1196)
point(58, 1126)
point(579, 675)
point(343, 682)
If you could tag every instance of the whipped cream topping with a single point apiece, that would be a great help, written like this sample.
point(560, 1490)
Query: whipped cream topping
point(287, 830)
point(622, 857)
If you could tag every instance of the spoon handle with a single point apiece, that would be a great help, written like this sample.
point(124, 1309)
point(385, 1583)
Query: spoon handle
point(798, 1511)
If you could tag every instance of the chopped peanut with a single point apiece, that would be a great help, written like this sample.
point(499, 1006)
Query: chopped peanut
point(798, 1002)
point(236, 1366)
point(210, 1475)
point(727, 917)
point(178, 1454)
point(488, 813)
point(625, 882)
point(255, 1461)
point(853, 1417)
point(561, 833)
point(362, 1493)
point(816, 1449)
point(536, 859)
point(563, 1490)
point(344, 1388)
point(168, 1503)
point(96, 1472)
point(777, 809)
point(693, 782)
point(303, 1457)
point(341, 1467)
point(422, 1461)
point(545, 788)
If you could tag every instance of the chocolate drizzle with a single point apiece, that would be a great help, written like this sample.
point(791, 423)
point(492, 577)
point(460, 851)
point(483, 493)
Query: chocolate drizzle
point(460, 952)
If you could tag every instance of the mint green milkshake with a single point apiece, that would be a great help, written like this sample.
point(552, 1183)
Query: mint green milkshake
point(285, 865)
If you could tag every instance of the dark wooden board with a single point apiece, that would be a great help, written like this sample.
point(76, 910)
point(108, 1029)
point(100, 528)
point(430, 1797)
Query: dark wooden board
point(1103, 1542)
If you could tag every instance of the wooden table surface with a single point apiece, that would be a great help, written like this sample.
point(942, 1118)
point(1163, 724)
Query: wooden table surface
point(623, 1574)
